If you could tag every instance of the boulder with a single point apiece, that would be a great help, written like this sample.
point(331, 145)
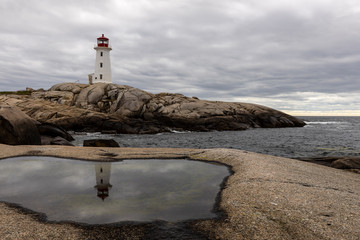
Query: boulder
point(52, 134)
point(91, 95)
point(346, 163)
point(67, 117)
point(16, 128)
point(61, 97)
point(100, 143)
point(69, 87)
point(60, 141)
point(123, 100)
point(130, 102)
point(49, 129)
point(48, 140)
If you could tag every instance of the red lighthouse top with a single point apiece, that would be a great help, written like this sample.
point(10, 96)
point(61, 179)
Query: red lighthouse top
point(102, 41)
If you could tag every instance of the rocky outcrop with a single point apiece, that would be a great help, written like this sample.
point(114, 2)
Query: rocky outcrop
point(177, 111)
point(122, 100)
point(346, 163)
point(54, 135)
point(52, 130)
point(16, 128)
point(47, 140)
point(350, 163)
point(102, 106)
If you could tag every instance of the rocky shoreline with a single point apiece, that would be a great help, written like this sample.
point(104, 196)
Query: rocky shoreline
point(349, 163)
point(124, 109)
point(267, 197)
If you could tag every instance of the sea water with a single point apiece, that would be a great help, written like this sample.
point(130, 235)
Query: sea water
point(322, 136)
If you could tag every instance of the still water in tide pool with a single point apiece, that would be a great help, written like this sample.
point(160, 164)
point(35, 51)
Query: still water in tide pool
point(101, 193)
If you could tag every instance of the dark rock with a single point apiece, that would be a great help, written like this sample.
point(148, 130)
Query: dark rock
point(108, 132)
point(60, 141)
point(346, 163)
point(16, 128)
point(48, 140)
point(50, 129)
point(52, 134)
point(100, 143)
point(326, 161)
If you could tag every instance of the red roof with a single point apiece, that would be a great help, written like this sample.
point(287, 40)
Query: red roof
point(102, 37)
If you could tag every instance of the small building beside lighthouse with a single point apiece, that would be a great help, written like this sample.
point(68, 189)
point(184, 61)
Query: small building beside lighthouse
point(102, 72)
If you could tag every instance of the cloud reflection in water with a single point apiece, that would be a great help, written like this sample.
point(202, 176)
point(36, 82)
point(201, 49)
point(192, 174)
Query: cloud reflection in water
point(94, 193)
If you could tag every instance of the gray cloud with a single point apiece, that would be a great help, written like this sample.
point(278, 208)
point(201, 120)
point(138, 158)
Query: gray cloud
point(271, 52)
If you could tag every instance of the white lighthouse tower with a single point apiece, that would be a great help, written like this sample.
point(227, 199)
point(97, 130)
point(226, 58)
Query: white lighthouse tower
point(103, 185)
point(102, 63)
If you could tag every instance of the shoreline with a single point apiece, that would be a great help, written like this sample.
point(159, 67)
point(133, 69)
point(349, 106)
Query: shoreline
point(265, 197)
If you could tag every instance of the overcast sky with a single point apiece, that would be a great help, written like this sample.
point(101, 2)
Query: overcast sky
point(298, 56)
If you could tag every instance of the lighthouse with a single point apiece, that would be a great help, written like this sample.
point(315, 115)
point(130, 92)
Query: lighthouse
point(103, 185)
point(102, 62)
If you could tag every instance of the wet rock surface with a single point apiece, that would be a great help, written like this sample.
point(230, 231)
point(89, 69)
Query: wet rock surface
point(126, 109)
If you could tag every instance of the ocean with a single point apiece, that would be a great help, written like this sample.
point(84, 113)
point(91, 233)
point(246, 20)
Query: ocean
point(321, 137)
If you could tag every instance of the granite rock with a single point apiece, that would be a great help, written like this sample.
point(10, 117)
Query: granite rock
point(346, 163)
point(125, 109)
point(16, 128)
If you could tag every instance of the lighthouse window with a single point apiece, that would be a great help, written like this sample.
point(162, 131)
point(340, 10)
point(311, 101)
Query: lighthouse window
point(101, 54)
point(100, 76)
point(101, 65)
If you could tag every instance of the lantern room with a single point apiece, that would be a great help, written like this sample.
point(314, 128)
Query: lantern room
point(102, 41)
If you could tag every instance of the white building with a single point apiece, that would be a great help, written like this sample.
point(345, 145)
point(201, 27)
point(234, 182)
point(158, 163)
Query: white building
point(102, 62)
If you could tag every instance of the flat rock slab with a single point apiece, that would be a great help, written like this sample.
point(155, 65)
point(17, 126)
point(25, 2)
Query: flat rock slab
point(267, 197)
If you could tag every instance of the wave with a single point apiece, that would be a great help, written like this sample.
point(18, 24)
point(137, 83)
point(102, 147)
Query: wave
point(325, 123)
point(175, 131)
point(93, 133)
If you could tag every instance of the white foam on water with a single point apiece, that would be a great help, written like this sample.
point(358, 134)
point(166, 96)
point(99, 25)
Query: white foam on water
point(326, 123)
point(93, 134)
point(175, 131)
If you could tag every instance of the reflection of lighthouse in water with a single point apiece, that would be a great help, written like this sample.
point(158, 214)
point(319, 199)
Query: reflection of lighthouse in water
point(103, 185)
